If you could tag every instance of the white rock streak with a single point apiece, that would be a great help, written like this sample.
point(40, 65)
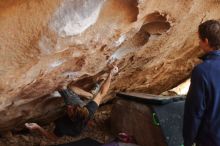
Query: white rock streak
point(45, 45)
point(56, 63)
point(75, 16)
point(121, 52)
point(120, 40)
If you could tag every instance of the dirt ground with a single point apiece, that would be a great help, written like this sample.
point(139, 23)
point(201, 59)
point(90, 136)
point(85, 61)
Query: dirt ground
point(98, 129)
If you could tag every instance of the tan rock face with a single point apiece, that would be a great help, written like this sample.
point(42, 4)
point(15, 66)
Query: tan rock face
point(42, 42)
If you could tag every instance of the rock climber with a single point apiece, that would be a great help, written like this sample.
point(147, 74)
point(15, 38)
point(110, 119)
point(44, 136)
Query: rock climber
point(78, 113)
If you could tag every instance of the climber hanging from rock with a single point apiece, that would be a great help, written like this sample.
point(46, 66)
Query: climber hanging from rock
point(78, 113)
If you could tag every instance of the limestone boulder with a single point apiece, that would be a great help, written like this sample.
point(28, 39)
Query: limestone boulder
point(42, 42)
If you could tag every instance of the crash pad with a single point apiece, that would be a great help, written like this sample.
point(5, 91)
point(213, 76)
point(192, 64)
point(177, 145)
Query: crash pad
point(167, 113)
point(82, 142)
point(114, 143)
point(170, 118)
point(150, 98)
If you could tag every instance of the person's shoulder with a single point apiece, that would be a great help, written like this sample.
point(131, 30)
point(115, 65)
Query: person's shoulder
point(200, 70)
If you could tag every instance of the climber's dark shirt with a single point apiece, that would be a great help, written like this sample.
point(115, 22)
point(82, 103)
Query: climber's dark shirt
point(72, 126)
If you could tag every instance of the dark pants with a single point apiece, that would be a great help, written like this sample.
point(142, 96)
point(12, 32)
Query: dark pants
point(73, 126)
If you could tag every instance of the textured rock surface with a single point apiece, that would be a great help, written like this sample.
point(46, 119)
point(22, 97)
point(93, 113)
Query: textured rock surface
point(43, 41)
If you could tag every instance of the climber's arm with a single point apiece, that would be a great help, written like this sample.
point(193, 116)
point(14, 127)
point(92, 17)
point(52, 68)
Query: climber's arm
point(82, 92)
point(105, 87)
